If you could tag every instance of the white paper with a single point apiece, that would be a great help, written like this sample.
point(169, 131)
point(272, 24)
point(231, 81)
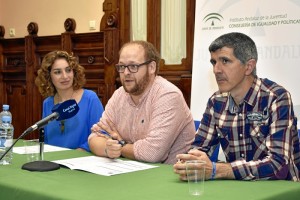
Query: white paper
point(33, 149)
point(103, 166)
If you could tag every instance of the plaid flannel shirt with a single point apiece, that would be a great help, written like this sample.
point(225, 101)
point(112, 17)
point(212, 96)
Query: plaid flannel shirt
point(259, 136)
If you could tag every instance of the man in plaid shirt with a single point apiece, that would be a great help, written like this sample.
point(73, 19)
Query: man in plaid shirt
point(251, 118)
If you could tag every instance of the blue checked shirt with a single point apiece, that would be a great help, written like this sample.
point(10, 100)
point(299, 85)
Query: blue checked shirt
point(259, 136)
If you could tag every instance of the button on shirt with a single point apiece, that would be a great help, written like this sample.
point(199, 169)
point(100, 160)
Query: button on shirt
point(160, 126)
point(259, 137)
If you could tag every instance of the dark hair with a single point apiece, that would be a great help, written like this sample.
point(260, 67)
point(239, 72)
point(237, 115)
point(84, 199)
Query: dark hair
point(43, 79)
point(151, 52)
point(244, 47)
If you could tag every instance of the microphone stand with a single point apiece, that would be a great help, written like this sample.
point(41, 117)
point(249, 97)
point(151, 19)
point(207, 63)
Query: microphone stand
point(42, 141)
point(41, 165)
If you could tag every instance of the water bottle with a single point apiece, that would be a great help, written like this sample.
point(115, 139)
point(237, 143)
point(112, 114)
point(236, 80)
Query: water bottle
point(5, 112)
point(6, 139)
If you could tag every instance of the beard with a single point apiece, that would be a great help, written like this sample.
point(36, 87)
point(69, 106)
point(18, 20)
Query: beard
point(139, 86)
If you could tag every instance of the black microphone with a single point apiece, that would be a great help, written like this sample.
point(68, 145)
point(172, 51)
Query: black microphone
point(61, 111)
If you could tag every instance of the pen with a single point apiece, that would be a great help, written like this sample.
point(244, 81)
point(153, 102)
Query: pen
point(121, 142)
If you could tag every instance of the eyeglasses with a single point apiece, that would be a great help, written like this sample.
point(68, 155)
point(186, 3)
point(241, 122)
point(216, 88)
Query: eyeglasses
point(133, 68)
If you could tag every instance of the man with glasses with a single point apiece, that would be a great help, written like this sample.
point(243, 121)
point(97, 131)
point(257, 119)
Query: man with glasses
point(147, 119)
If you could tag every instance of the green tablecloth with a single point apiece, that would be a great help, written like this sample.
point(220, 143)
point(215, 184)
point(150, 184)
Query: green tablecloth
point(158, 183)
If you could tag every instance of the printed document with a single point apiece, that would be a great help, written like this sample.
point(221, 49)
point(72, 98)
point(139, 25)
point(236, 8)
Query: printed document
point(36, 149)
point(103, 166)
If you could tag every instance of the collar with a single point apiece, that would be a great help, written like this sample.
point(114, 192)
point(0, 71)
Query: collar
point(249, 99)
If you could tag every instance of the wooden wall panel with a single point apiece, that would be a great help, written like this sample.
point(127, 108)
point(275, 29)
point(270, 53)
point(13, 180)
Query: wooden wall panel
point(13, 79)
point(89, 48)
point(16, 96)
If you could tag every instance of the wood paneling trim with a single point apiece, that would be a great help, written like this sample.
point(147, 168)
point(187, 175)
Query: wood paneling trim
point(154, 22)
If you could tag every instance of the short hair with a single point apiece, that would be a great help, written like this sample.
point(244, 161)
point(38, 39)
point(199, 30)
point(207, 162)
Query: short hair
point(243, 46)
point(151, 52)
point(43, 79)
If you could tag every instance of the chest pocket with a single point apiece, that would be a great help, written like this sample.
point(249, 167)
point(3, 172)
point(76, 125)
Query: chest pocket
point(258, 135)
point(259, 129)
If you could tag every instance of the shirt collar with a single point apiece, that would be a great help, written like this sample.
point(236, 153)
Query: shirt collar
point(250, 97)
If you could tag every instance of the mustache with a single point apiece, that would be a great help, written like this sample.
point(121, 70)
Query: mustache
point(220, 77)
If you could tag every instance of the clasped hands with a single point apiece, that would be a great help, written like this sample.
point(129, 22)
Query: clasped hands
point(112, 147)
point(194, 154)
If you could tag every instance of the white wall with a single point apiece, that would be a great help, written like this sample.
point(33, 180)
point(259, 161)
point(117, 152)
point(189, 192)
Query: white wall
point(50, 15)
